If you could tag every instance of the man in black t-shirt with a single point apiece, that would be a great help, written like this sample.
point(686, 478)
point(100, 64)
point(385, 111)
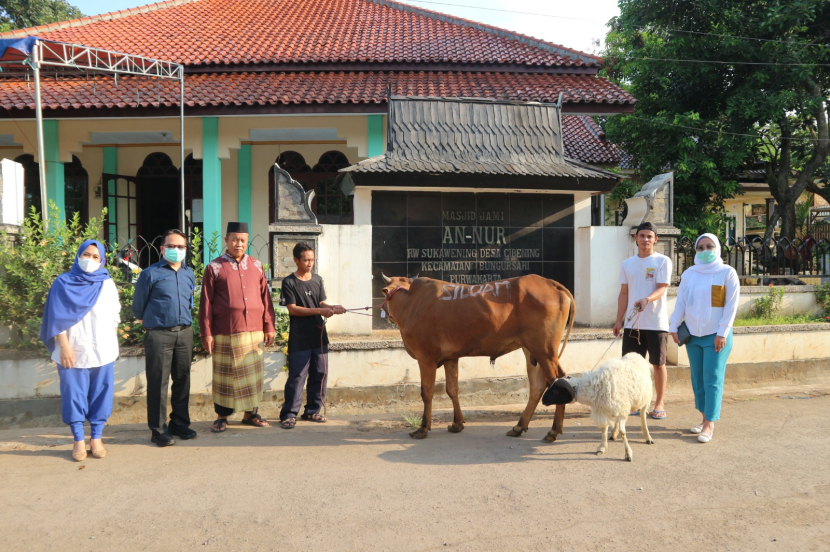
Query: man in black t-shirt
point(304, 295)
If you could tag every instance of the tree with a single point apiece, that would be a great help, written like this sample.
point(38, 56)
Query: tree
point(18, 14)
point(756, 90)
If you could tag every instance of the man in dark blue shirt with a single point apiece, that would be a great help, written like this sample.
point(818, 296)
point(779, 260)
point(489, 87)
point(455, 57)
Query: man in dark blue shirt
point(163, 303)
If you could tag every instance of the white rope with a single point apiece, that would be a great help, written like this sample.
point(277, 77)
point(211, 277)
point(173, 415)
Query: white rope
point(631, 314)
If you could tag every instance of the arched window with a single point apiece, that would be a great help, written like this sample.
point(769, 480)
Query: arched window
point(331, 206)
point(76, 187)
point(31, 182)
point(193, 193)
point(293, 162)
point(158, 198)
point(158, 164)
point(329, 203)
point(76, 195)
point(331, 161)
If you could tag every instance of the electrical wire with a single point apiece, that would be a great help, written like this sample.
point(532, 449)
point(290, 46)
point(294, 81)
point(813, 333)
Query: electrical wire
point(721, 62)
point(721, 131)
point(641, 27)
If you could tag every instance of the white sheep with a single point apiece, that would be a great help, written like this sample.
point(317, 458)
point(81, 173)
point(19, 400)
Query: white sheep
point(613, 391)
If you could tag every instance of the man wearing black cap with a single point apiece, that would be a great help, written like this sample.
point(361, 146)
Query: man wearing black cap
point(644, 279)
point(236, 318)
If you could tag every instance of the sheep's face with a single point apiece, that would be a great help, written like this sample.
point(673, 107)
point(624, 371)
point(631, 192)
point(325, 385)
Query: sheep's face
point(559, 392)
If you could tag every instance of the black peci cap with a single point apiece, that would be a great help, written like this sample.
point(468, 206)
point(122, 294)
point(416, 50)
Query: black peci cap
point(237, 227)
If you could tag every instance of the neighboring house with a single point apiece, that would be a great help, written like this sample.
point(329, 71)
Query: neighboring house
point(749, 211)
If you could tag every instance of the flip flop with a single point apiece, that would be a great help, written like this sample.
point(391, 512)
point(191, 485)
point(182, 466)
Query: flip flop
point(219, 425)
point(255, 420)
point(635, 413)
point(314, 418)
point(659, 414)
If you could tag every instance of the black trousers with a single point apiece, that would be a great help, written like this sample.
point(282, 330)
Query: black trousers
point(304, 365)
point(168, 354)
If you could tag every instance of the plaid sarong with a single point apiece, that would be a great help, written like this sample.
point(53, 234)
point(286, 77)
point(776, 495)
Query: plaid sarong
point(238, 370)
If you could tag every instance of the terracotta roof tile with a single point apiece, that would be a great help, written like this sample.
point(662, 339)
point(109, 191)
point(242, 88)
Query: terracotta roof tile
point(585, 140)
point(205, 32)
point(264, 89)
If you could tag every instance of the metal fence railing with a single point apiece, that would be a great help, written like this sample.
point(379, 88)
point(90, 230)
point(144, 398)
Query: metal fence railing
point(139, 252)
point(776, 258)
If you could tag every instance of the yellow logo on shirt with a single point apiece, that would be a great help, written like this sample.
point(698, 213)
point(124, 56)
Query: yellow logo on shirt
point(650, 273)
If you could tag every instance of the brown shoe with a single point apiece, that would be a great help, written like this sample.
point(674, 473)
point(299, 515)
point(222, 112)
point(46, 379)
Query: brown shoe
point(98, 453)
point(79, 456)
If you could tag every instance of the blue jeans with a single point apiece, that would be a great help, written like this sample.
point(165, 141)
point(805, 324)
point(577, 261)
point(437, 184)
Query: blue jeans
point(304, 365)
point(86, 394)
point(708, 369)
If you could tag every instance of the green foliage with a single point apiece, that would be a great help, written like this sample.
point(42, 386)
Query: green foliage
point(197, 261)
point(768, 307)
point(18, 14)
point(778, 320)
point(823, 298)
point(412, 420)
point(710, 121)
point(28, 269)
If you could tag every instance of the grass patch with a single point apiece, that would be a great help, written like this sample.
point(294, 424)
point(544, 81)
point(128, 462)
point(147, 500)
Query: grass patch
point(779, 320)
point(412, 420)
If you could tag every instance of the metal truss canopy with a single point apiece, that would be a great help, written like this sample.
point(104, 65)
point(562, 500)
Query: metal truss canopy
point(31, 53)
point(85, 58)
point(18, 55)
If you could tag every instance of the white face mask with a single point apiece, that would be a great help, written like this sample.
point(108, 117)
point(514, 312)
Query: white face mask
point(88, 265)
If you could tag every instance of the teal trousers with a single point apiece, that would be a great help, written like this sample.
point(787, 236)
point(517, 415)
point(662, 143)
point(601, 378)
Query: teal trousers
point(708, 369)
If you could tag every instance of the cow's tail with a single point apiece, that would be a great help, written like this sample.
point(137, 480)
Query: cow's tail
point(571, 317)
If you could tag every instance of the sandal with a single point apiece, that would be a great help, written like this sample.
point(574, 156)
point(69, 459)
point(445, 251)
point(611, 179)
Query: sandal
point(219, 425)
point(255, 420)
point(314, 418)
point(288, 423)
point(659, 414)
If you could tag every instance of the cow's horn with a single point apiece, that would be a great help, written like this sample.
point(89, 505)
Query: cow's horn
point(386, 278)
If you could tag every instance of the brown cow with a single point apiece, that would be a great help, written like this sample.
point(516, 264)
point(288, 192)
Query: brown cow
point(441, 322)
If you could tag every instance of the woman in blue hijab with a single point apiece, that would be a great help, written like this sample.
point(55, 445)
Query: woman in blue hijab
point(80, 322)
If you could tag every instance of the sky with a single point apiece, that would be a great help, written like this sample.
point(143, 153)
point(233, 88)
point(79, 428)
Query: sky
point(569, 23)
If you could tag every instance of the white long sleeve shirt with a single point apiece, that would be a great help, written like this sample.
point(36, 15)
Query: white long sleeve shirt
point(95, 338)
point(695, 302)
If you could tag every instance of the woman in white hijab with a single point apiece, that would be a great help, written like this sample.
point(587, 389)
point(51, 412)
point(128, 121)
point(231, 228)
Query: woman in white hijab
point(707, 301)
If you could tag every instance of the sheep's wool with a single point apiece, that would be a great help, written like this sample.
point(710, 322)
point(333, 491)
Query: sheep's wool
point(616, 388)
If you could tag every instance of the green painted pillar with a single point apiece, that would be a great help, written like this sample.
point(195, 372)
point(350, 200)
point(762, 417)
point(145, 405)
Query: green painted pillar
point(111, 167)
point(55, 186)
point(244, 194)
point(211, 185)
point(374, 131)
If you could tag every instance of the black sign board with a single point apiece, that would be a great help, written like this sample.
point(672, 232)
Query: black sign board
point(469, 238)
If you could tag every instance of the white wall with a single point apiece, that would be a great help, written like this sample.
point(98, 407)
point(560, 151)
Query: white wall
point(345, 263)
point(599, 252)
point(366, 367)
point(11, 193)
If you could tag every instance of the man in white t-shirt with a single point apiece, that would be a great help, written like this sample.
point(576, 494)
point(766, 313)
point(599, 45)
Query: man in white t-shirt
point(643, 281)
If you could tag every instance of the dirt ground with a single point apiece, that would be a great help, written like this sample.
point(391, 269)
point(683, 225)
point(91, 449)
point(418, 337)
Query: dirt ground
point(359, 483)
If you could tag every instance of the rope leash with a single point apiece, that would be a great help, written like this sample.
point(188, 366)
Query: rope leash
point(631, 314)
point(322, 332)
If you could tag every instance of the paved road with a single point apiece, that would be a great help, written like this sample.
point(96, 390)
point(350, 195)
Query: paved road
point(359, 483)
